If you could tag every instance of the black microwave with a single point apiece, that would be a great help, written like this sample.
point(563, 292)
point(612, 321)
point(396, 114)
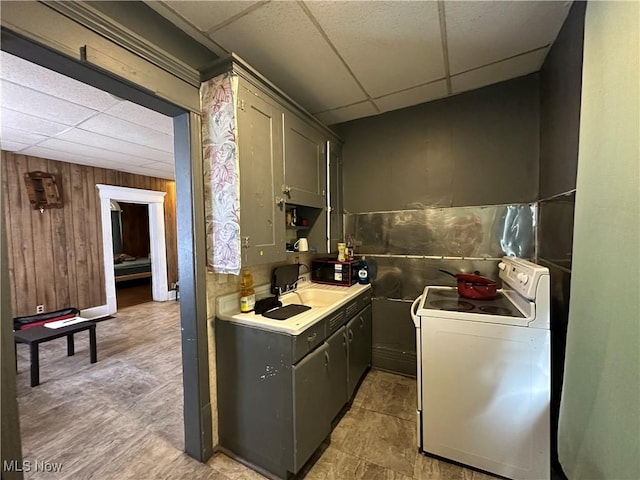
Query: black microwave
point(333, 272)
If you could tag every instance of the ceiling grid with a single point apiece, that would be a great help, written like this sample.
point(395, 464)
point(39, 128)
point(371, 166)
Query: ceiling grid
point(341, 60)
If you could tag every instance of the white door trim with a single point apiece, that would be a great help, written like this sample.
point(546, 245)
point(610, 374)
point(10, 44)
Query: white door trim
point(155, 201)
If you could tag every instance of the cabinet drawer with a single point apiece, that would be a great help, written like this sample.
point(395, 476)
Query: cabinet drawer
point(308, 340)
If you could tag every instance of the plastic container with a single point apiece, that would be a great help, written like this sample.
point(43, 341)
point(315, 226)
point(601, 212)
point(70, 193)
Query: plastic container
point(342, 254)
point(363, 273)
point(247, 292)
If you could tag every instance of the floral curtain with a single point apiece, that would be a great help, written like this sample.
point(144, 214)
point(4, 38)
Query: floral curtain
point(222, 173)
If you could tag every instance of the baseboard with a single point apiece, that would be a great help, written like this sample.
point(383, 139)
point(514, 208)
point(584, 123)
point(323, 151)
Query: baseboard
point(96, 312)
point(392, 360)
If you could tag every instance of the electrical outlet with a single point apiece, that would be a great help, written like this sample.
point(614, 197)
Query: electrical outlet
point(39, 308)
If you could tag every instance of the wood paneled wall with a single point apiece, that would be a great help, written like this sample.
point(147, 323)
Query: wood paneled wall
point(55, 257)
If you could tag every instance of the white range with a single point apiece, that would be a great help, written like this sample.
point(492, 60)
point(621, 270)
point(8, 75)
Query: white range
point(484, 374)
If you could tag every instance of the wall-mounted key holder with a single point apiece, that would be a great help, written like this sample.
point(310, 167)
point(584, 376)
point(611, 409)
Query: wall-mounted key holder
point(42, 190)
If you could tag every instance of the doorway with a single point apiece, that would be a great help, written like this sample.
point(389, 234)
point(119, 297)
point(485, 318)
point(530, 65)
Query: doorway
point(52, 50)
point(131, 253)
point(154, 201)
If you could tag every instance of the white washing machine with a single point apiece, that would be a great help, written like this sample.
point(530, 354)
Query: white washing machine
point(484, 374)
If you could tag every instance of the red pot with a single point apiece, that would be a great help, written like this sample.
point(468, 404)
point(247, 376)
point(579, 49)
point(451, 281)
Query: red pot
point(474, 286)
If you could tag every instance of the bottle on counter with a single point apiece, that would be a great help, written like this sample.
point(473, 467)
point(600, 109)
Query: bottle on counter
point(247, 293)
point(349, 252)
point(363, 273)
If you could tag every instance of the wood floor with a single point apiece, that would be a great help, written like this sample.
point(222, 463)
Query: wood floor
point(122, 417)
point(133, 292)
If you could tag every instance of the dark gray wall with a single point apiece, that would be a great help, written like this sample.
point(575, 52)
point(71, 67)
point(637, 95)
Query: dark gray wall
point(560, 96)
point(560, 89)
point(476, 148)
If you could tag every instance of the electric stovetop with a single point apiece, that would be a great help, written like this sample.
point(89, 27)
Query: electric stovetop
point(447, 298)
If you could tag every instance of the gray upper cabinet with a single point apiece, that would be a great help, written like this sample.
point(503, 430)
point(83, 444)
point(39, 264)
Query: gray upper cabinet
point(334, 200)
point(260, 151)
point(305, 165)
point(282, 153)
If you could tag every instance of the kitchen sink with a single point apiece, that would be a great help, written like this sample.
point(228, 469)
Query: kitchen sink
point(313, 297)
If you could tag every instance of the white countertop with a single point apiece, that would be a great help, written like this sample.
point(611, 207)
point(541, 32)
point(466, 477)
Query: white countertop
point(228, 308)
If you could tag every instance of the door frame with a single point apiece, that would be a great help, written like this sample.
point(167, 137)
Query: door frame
point(157, 244)
point(55, 41)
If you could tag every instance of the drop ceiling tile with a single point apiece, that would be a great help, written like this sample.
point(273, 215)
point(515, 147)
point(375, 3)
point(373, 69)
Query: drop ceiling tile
point(21, 136)
point(69, 157)
point(104, 142)
point(31, 102)
point(27, 74)
point(140, 115)
point(412, 96)
point(127, 131)
point(344, 114)
point(160, 170)
point(93, 152)
point(389, 45)
point(479, 33)
point(206, 15)
point(29, 123)
point(498, 72)
point(282, 43)
point(9, 146)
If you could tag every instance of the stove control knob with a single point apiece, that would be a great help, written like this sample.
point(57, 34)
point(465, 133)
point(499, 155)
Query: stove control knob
point(523, 277)
point(502, 265)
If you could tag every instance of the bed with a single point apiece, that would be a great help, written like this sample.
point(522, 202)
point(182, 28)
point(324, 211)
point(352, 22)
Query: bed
point(132, 269)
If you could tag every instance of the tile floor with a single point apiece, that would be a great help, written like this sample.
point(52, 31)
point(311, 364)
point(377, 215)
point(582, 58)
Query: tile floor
point(121, 418)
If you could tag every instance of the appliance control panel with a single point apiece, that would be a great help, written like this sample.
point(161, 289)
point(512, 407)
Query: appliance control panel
point(521, 275)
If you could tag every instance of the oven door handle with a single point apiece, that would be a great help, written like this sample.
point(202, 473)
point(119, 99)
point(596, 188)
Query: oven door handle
point(414, 308)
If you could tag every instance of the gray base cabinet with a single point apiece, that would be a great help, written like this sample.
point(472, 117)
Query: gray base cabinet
point(359, 335)
point(278, 394)
point(311, 401)
point(338, 371)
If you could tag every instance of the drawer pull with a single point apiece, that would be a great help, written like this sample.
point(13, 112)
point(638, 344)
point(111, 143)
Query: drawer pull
point(311, 338)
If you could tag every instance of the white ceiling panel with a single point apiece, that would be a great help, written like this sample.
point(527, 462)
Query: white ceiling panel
point(21, 136)
point(130, 132)
point(10, 146)
point(344, 114)
point(412, 96)
point(282, 43)
point(29, 123)
point(93, 152)
point(497, 72)
point(70, 157)
point(206, 15)
point(52, 83)
point(142, 116)
point(37, 104)
point(103, 142)
point(479, 33)
point(402, 37)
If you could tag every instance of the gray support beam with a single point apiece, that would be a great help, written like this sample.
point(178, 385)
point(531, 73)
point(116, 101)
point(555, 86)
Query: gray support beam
point(11, 445)
point(193, 295)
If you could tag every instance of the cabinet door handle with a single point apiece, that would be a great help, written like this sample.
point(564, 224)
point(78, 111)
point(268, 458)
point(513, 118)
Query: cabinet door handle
point(350, 335)
point(280, 202)
point(361, 321)
point(312, 337)
point(326, 359)
point(344, 338)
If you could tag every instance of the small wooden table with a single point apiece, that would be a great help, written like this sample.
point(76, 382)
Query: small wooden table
point(37, 335)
